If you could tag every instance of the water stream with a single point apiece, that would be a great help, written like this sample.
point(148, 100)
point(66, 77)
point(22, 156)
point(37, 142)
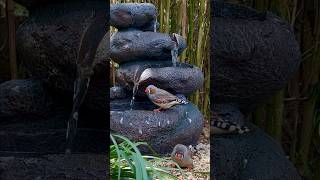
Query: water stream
point(136, 82)
point(174, 50)
point(155, 25)
point(90, 40)
point(174, 54)
point(134, 92)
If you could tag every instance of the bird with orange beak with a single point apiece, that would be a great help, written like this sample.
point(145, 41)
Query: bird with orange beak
point(182, 155)
point(162, 98)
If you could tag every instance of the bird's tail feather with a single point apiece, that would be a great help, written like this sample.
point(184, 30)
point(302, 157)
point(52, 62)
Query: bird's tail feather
point(182, 101)
point(230, 126)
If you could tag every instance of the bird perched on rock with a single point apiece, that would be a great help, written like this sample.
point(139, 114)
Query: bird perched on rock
point(182, 155)
point(162, 98)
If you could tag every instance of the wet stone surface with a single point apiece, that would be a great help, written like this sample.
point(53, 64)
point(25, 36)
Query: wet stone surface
point(252, 155)
point(118, 92)
point(162, 130)
point(133, 15)
point(135, 45)
point(23, 97)
point(182, 79)
point(248, 70)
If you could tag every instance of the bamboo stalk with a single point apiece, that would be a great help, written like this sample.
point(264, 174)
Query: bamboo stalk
point(12, 39)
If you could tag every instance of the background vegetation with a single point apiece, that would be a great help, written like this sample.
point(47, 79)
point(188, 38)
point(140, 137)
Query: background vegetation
point(191, 19)
point(292, 116)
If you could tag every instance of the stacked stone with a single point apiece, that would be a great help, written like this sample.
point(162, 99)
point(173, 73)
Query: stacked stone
point(144, 58)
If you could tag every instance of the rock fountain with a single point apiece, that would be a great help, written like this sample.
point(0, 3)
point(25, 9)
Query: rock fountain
point(147, 57)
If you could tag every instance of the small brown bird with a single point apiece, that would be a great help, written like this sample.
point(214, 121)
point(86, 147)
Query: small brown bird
point(182, 155)
point(162, 98)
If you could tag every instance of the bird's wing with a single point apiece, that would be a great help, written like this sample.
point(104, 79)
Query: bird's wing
point(163, 97)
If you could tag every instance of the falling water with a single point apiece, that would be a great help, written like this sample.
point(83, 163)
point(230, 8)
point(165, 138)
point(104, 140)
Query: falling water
point(90, 41)
point(155, 25)
point(136, 82)
point(174, 54)
point(134, 92)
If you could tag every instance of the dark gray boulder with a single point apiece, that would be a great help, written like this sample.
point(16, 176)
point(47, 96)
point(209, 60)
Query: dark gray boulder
point(252, 155)
point(136, 45)
point(253, 55)
point(133, 15)
point(54, 167)
point(19, 98)
point(48, 41)
point(162, 130)
point(182, 79)
point(118, 92)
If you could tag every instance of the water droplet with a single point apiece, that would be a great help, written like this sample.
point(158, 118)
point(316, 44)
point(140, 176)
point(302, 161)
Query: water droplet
point(168, 122)
point(130, 124)
point(159, 124)
point(121, 120)
point(189, 120)
point(140, 131)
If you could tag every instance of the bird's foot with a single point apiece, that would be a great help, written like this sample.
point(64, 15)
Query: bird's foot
point(157, 110)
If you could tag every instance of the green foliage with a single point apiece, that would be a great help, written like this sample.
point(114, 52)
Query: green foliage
point(127, 162)
point(20, 10)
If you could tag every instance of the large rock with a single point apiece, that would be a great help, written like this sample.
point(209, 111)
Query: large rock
point(162, 130)
point(136, 45)
point(182, 79)
point(253, 55)
point(32, 4)
point(19, 98)
point(252, 155)
point(48, 41)
point(133, 15)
